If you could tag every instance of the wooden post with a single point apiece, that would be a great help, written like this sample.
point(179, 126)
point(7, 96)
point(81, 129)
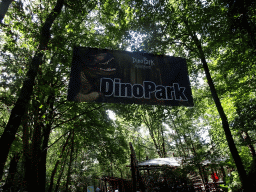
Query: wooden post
point(133, 167)
point(205, 179)
point(136, 178)
point(122, 189)
point(147, 167)
point(105, 188)
point(223, 173)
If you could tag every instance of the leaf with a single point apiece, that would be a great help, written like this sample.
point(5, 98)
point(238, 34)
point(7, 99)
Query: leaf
point(20, 72)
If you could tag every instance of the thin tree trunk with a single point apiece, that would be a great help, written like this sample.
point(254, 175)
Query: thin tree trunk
point(225, 125)
point(247, 138)
point(223, 173)
point(134, 180)
point(177, 146)
point(187, 143)
point(19, 109)
point(252, 172)
point(4, 8)
point(249, 28)
point(42, 164)
point(34, 171)
point(182, 148)
point(58, 181)
point(152, 136)
point(26, 150)
point(57, 163)
point(12, 171)
point(46, 135)
point(179, 139)
point(111, 165)
point(163, 144)
point(70, 162)
point(33, 182)
point(250, 145)
point(201, 172)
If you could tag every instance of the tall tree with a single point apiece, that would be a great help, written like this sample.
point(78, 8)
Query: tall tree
point(3, 8)
point(187, 27)
point(20, 107)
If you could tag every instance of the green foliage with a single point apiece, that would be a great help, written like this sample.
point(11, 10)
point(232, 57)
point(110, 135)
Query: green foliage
point(159, 27)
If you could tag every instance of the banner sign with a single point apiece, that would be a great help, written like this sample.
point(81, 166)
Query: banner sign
point(110, 76)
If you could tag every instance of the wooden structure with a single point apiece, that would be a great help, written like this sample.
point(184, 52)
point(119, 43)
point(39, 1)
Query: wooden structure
point(199, 183)
point(113, 183)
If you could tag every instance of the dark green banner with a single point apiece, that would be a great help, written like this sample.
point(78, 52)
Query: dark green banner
point(128, 77)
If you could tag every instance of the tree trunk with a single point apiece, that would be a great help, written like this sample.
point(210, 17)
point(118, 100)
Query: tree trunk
point(4, 8)
point(58, 181)
point(12, 171)
point(252, 172)
point(248, 27)
point(250, 144)
point(57, 163)
point(151, 132)
point(179, 139)
point(225, 125)
point(223, 173)
point(19, 109)
point(46, 135)
point(70, 162)
point(201, 171)
point(42, 164)
point(163, 144)
point(134, 180)
point(26, 150)
point(33, 182)
point(246, 138)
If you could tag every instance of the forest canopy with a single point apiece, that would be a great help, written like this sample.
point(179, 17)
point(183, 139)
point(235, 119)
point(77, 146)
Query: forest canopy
point(49, 143)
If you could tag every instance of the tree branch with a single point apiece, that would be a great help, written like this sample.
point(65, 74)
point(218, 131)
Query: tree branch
point(55, 141)
point(76, 117)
